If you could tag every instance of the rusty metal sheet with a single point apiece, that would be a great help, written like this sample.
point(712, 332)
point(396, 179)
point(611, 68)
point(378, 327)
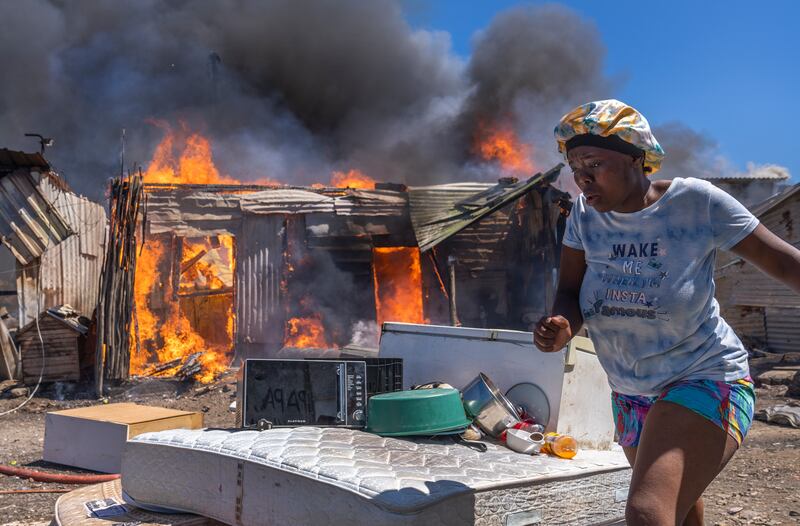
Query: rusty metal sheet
point(192, 212)
point(29, 225)
point(286, 201)
point(776, 200)
point(69, 272)
point(260, 315)
point(372, 203)
point(439, 212)
point(783, 329)
point(11, 161)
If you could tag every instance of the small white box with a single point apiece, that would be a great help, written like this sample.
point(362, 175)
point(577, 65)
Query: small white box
point(94, 437)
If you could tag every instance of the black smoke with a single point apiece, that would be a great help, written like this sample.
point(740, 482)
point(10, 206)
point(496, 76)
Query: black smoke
point(286, 89)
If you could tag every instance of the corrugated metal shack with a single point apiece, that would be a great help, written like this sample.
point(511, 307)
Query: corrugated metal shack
point(499, 239)
point(56, 237)
point(753, 187)
point(763, 312)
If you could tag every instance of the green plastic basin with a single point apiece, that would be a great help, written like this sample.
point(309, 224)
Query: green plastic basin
point(421, 412)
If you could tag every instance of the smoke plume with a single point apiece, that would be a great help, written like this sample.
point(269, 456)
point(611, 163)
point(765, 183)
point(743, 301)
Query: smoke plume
point(285, 89)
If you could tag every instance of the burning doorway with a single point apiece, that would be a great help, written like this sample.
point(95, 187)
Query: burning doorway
point(183, 306)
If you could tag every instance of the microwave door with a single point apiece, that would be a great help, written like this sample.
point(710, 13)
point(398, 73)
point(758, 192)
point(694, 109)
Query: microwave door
point(324, 386)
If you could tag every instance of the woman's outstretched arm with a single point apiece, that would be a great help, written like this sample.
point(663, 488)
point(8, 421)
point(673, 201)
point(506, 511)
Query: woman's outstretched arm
point(772, 255)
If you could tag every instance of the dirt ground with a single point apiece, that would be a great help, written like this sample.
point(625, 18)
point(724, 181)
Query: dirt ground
point(761, 485)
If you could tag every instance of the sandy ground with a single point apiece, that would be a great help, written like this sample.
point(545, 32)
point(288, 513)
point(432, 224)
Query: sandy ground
point(761, 485)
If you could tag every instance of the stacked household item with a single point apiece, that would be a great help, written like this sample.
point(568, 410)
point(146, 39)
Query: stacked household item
point(413, 463)
point(312, 475)
point(430, 411)
point(567, 391)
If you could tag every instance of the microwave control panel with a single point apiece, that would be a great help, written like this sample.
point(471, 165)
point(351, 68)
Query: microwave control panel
point(356, 394)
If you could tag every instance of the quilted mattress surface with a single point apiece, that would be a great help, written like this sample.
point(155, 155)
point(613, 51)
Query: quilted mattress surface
point(312, 475)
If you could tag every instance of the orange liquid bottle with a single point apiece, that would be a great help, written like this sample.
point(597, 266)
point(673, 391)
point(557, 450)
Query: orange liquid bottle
point(563, 446)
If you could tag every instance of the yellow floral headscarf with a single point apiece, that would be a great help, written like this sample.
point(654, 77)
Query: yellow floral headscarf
point(611, 117)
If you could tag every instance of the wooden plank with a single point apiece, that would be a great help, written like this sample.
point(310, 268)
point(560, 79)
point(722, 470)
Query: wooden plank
point(9, 362)
point(56, 346)
point(63, 371)
point(31, 365)
point(36, 353)
point(49, 360)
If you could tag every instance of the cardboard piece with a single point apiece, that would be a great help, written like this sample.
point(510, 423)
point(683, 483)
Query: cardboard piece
point(94, 437)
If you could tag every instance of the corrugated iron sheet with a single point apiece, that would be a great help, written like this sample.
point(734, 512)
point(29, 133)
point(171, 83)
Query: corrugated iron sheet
point(748, 322)
point(11, 160)
point(189, 212)
point(28, 223)
point(774, 201)
point(67, 273)
point(756, 305)
point(192, 210)
point(741, 284)
point(766, 173)
point(372, 203)
point(480, 247)
point(439, 212)
point(286, 201)
point(259, 260)
point(783, 329)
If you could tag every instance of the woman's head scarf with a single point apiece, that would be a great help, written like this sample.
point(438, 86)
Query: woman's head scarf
point(613, 125)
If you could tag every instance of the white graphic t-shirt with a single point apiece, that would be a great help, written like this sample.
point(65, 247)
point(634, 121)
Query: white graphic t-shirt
point(648, 293)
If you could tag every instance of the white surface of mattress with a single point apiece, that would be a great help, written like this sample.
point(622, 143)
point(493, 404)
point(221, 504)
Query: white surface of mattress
point(335, 476)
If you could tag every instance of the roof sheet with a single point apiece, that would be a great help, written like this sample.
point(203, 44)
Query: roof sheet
point(11, 160)
point(439, 212)
point(754, 173)
point(28, 222)
point(767, 205)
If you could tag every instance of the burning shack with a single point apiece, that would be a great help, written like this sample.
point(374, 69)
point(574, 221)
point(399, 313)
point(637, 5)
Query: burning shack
point(205, 273)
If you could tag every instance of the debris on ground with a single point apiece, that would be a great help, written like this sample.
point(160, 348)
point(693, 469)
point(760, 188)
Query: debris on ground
point(781, 414)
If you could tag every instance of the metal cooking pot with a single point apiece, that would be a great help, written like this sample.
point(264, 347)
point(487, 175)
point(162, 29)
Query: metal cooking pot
point(492, 411)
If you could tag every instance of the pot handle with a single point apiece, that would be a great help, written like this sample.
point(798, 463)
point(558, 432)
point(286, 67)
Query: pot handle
point(475, 445)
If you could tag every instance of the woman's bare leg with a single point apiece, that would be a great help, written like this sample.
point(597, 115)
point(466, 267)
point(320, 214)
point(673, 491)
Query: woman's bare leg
point(678, 456)
point(695, 515)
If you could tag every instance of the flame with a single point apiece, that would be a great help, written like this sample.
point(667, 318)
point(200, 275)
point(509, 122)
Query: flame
point(193, 163)
point(166, 334)
point(352, 179)
point(163, 332)
point(500, 144)
point(397, 276)
point(306, 333)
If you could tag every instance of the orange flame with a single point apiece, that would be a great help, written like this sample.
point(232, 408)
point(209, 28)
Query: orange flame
point(500, 144)
point(397, 275)
point(352, 179)
point(163, 332)
point(306, 333)
point(184, 157)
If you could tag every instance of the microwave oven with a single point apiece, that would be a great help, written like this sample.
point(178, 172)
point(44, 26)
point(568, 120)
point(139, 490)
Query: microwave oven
point(289, 393)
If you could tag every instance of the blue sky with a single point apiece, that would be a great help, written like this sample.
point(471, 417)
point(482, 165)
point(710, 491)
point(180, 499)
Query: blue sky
point(728, 69)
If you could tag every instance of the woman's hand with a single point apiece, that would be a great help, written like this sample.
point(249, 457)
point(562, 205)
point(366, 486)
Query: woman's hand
point(552, 333)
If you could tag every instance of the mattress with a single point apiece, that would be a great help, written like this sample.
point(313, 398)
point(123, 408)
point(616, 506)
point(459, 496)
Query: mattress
point(310, 475)
point(71, 510)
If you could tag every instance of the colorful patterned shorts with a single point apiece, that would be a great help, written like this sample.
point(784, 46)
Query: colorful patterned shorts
point(728, 404)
